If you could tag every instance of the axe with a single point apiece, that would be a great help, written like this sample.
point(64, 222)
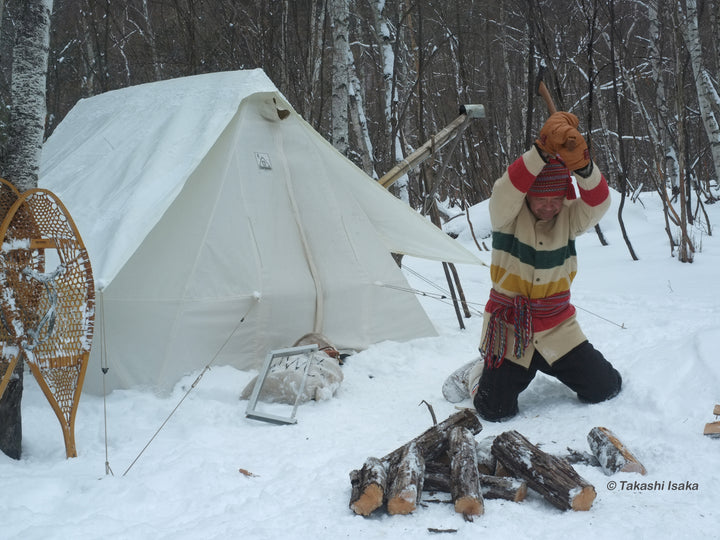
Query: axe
point(542, 90)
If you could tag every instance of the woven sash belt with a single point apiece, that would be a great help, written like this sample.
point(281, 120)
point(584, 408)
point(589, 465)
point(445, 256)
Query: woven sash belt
point(519, 312)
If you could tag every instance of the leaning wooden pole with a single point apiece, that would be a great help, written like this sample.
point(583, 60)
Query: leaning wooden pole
point(461, 292)
point(437, 142)
point(456, 305)
point(467, 112)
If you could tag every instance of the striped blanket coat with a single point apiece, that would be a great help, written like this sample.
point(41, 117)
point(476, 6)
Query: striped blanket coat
point(537, 259)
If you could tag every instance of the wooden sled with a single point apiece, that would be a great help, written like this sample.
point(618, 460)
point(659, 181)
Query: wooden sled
point(47, 314)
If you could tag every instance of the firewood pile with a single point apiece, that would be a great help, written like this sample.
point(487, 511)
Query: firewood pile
point(447, 458)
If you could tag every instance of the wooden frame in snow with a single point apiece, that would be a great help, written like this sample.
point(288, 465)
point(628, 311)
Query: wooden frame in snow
point(252, 411)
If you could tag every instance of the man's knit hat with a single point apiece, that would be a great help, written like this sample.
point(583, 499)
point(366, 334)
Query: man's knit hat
point(553, 181)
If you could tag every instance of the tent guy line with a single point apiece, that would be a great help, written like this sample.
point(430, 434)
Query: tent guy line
point(257, 297)
point(436, 296)
point(445, 295)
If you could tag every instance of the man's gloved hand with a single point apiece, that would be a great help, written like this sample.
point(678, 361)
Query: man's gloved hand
point(560, 136)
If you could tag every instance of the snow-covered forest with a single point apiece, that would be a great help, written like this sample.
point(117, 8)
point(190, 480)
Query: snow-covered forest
point(380, 77)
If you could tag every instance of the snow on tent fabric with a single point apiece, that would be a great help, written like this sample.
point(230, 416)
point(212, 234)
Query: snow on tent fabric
point(206, 201)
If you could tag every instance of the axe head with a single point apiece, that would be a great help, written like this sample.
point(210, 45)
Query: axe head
point(539, 78)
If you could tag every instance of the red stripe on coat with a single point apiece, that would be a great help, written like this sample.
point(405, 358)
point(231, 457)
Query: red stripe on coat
point(520, 177)
point(597, 195)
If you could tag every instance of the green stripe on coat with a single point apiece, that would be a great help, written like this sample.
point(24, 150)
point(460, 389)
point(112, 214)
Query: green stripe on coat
point(541, 260)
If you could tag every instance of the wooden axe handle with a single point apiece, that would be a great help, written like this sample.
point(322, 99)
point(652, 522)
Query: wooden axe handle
point(545, 93)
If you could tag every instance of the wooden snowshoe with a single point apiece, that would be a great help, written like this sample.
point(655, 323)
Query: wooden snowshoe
point(48, 301)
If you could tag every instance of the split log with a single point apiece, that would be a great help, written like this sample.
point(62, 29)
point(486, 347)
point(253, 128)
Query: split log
point(503, 487)
point(712, 429)
point(611, 453)
point(552, 477)
point(433, 442)
point(485, 458)
point(501, 470)
point(437, 478)
point(406, 483)
point(368, 487)
point(584, 458)
point(716, 410)
point(464, 475)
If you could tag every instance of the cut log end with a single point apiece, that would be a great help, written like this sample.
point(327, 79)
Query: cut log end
point(634, 466)
point(583, 499)
point(368, 487)
point(403, 503)
point(469, 506)
point(501, 470)
point(521, 493)
point(407, 481)
point(370, 500)
point(712, 429)
point(497, 487)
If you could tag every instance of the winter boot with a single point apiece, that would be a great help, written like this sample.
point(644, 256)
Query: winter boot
point(462, 383)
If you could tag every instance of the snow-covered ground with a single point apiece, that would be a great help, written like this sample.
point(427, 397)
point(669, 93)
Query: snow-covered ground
point(656, 319)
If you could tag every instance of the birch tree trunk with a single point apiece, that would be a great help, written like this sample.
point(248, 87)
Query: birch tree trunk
point(358, 121)
point(707, 96)
point(509, 94)
point(312, 62)
point(622, 170)
point(29, 74)
point(592, 26)
point(384, 39)
point(340, 16)
point(714, 8)
point(685, 248)
point(27, 128)
point(660, 130)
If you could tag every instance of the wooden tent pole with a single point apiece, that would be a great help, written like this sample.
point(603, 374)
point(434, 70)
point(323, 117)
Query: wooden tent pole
point(461, 293)
point(454, 297)
point(467, 112)
point(450, 132)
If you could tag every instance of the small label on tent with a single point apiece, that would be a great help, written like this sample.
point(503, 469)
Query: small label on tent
point(263, 160)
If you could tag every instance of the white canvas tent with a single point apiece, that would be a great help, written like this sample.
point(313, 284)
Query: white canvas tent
point(220, 226)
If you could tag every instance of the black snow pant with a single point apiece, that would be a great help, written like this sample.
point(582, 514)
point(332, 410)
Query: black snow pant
point(584, 370)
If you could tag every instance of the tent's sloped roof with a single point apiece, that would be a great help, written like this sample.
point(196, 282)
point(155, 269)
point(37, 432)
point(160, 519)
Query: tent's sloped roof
point(402, 231)
point(119, 159)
